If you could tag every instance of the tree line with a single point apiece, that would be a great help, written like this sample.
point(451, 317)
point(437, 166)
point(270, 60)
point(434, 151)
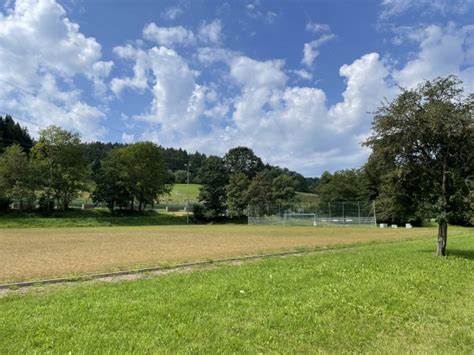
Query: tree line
point(48, 174)
point(55, 171)
point(240, 180)
point(180, 164)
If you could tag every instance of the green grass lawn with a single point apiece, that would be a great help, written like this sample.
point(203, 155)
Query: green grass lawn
point(88, 218)
point(179, 194)
point(387, 298)
point(307, 198)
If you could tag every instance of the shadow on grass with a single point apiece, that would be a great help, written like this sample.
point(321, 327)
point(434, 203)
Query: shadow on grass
point(457, 253)
point(90, 219)
point(461, 253)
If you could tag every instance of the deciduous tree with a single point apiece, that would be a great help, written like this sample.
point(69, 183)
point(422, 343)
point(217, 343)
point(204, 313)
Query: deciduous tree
point(244, 160)
point(426, 138)
point(18, 178)
point(112, 184)
point(146, 172)
point(237, 195)
point(214, 178)
point(135, 172)
point(284, 190)
point(65, 168)
point(342, 186)
point(260, 195)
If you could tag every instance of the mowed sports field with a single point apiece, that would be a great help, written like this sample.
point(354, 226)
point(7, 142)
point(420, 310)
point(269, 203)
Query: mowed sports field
point(39, 253)
point(379, 298)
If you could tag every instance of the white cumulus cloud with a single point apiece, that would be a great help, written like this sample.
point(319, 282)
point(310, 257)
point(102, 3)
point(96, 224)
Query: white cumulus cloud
point(211, 32)
point(169, 36)
point(139, 79)
point(391, 8)
point(442, 51)
point(180, 106)
point(294, 126)
point(42, 52)
point(366, 87)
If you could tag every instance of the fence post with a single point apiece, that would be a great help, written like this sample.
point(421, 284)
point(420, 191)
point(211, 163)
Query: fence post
point(375, 216)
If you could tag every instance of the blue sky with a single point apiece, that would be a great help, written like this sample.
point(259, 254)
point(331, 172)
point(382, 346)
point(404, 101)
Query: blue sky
point(296, 81)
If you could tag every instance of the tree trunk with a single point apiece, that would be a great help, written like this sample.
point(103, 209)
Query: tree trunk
point(442, 238)
point(65, 201)
point(140, 201)
point(442, 220)
point(65, 204)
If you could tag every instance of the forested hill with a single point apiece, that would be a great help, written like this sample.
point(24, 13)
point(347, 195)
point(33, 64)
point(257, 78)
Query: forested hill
point(11, 132)
point(175, 160)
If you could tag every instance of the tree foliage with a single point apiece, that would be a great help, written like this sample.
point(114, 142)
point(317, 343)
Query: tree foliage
point(214, 178)
point(237, 197)
point(244, 160)
point(343, 185)
point(12, 133)
point(18, 177)
point(61, 167)
point(248, 187)
point(260, 195)
point(96, 152)
point(302, 184)
point(180, 176)
point(63, 164)
point(112, 184)
point(132, 173)
point(284, 190)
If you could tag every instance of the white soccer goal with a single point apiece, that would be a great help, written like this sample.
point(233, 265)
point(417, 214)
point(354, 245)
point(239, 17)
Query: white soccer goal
point(290, 219)
point(299, 219)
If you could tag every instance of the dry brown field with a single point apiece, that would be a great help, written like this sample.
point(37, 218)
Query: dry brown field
point(33, 254)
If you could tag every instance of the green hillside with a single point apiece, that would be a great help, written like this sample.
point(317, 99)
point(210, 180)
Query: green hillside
point(180, 193)
point(307, 198)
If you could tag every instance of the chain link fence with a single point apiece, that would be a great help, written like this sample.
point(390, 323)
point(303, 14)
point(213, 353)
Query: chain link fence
point(332, 213)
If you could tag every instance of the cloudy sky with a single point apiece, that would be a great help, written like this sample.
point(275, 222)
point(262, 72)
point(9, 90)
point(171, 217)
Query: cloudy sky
point(295, 80)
